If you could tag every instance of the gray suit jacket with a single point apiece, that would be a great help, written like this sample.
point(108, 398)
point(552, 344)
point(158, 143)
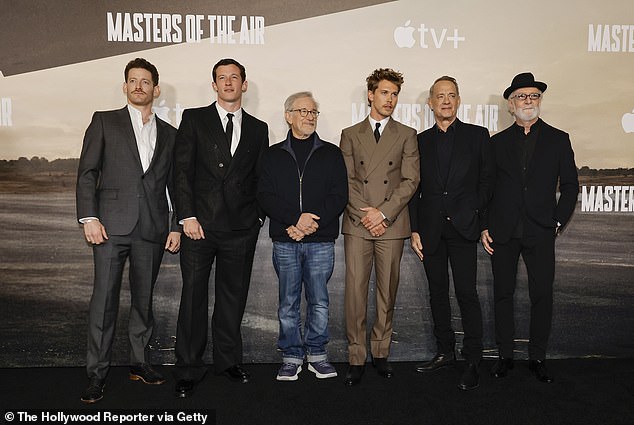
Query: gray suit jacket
point(111, 184)
point(383, 175)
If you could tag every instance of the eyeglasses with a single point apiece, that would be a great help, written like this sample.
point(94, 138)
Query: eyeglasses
point(523, 96)
point(304, 112)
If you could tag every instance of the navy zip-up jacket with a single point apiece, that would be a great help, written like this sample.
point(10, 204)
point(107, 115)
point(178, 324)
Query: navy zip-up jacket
point(322, 189)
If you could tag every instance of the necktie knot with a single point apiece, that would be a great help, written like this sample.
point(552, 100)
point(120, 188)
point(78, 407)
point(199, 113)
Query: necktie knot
point(377, 133)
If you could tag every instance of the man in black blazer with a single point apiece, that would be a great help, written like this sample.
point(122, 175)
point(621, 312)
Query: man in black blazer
point(216, 166)
point(124, 170)
point(525, 216)
point(456, 179)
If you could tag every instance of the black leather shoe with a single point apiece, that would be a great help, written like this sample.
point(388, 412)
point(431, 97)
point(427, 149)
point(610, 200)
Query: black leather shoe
point(184, 388)
point(470, 377)
point(353, 377)
point(143, 372)
point(538, 367)
point(238, 374)
point(94, 391)
point(383, 367)
point(501, 367)
point(440, 360)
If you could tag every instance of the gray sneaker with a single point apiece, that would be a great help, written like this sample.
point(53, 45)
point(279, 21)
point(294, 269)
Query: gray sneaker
point(289, 372)
point(322, 369)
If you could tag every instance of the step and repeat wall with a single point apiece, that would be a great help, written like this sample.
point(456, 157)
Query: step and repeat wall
point(61, 61)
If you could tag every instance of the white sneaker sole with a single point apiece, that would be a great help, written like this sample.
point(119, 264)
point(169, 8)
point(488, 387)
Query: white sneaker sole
point(290, 378)
point(321, 375)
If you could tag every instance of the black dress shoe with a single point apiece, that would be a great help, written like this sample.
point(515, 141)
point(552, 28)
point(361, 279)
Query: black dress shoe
point(143, 372)
point(470, 377)
point(439, 360)
point(354, 374)
point(94, 391)
point(538, 367)
point(383, 367)
point(238, 374)
point(184, 388)
point(501, 367)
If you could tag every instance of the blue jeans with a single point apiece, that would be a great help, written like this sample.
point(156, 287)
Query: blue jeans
point(311, 264)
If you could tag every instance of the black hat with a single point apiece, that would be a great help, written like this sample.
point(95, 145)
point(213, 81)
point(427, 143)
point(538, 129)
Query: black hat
point(525, 79)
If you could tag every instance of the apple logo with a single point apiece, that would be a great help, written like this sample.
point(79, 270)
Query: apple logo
point(628, 122)
point(403, 36)
point(162, 111)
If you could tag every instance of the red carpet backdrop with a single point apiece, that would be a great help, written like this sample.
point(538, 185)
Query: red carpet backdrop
point(60, 61)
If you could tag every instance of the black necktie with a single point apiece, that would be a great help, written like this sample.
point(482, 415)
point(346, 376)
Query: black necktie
point(377, 135)
point(229, 130)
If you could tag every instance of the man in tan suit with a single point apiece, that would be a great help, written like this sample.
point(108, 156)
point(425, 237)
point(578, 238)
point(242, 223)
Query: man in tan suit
point(382, 161)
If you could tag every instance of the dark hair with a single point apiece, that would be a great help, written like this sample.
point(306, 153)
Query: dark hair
point(445, 78)
point(384, 74)
point(142, 63)
point(229, 61)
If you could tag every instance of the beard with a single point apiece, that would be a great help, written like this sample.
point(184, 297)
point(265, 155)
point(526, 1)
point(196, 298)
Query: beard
point(527, 115)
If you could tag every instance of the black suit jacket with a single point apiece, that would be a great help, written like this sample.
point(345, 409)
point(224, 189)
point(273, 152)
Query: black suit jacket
point(467, 191)
point(552, 162)
point(211, 185)
point(111, 184)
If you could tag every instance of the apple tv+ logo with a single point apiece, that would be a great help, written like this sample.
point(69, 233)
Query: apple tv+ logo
point(627, 121)
point(407, 35)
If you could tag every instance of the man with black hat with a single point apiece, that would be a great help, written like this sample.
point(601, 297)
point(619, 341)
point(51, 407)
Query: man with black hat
point(524, 217)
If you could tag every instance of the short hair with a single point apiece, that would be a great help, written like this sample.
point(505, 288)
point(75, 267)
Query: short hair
point(288, 103)
point(144, 64)
point(229, 61)
point(381, 74)
point(445, 78)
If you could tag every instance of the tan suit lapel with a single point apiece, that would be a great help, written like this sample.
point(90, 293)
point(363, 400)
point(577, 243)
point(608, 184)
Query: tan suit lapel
point(386, 143)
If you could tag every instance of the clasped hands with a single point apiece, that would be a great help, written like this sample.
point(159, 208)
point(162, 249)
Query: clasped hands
point(306, 225)
point(373, 221)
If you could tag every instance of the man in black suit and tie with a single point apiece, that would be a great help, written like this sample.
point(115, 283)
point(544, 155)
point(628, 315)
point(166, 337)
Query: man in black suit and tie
point(525, 216)
point(216, 166)
point(124, 170)
point(456, 179)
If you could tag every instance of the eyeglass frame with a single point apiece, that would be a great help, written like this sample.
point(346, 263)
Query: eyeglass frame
point(303, 112)
point(523, 96)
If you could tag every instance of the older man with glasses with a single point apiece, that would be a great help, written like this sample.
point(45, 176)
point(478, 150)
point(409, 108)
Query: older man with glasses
point(303, 188)
point(525, 216)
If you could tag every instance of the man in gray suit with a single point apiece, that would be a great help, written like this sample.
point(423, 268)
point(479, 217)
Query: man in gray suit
point(122, 203)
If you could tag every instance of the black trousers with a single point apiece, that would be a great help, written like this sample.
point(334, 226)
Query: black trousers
point(110, 258)
point(462, 255)
point(233, 252)
point(539, 257)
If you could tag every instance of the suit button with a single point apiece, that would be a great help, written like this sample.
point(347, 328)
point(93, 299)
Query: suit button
point(384, 181)
point(365, 181)
point(361, 163)
point(444, 193)
point(385, 199)
point(525, 189)
point(390, 163)
point(221, 165)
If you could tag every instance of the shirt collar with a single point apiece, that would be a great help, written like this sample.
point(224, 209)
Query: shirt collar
point(223, 113)
point(137, 116)
point(383, 122)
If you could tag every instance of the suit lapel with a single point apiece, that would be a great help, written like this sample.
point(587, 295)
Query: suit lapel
point(215, 132)
point(379, 151)
point(126, 125)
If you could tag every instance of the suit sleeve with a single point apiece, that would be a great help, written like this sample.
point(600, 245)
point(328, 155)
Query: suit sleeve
point(486, 183)
point(355, 197)
point(90, 169)
point(185, 168)
point(568, 184)
point(410, 177)
point(259, 168)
